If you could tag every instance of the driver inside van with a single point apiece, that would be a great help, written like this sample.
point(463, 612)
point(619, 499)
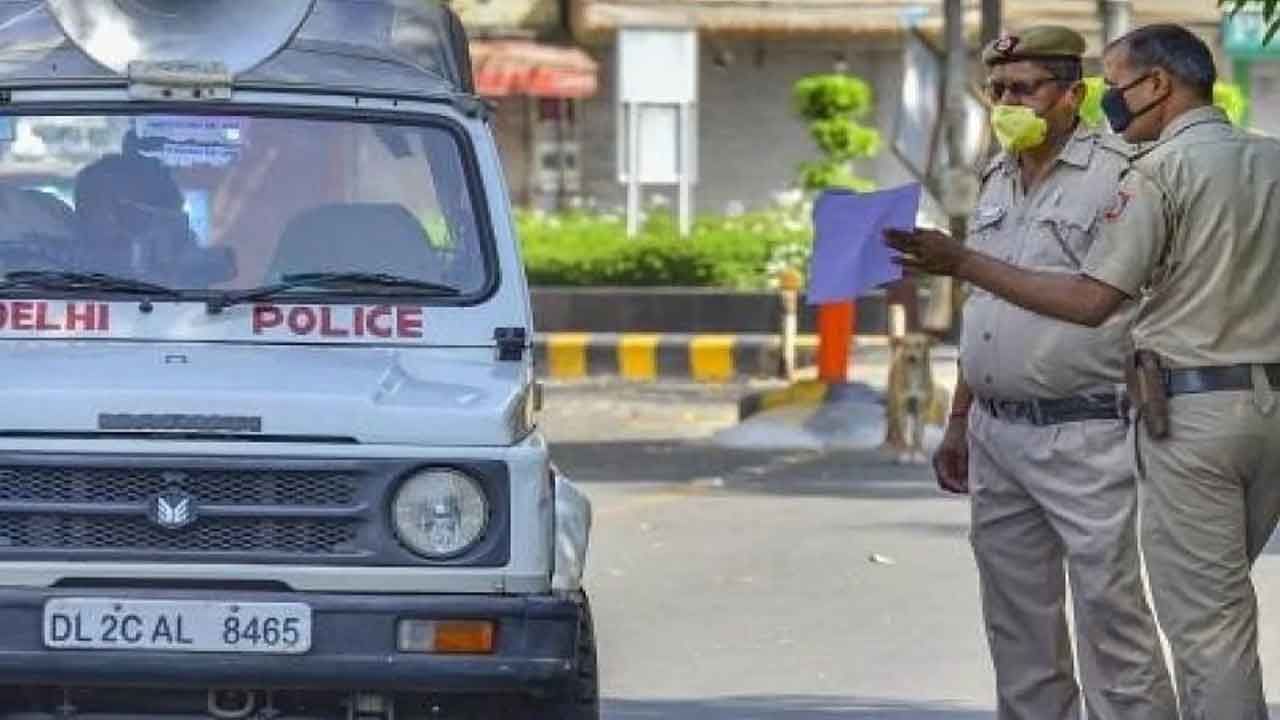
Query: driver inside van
point(130, 218)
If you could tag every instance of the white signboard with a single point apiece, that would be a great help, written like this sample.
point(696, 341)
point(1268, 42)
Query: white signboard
point(663, 143)
point(657, 98)
point(657, 66)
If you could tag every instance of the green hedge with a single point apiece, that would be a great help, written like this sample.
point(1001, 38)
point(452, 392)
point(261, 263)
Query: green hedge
point(593, 249)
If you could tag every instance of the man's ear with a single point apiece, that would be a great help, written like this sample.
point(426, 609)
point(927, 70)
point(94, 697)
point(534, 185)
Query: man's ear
point(1162, 83)
point(1079, 90)
point(1076, 94)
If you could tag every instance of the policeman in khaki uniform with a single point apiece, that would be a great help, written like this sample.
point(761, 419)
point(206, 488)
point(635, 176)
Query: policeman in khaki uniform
point(1193, 232)
point(1037, 432)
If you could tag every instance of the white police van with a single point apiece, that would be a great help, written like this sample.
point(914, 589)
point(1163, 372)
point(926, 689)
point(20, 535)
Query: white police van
point(267, 426)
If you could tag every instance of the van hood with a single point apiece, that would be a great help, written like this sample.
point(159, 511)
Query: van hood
point(387, 395)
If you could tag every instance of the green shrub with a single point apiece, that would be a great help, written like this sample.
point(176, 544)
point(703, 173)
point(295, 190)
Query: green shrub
point(833, 105)
point(1232, 100)
point(832, 95)
point(592, 249)
point(1091, 109)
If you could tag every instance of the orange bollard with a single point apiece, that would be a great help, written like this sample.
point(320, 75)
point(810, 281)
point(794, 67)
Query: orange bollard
point(835, 335)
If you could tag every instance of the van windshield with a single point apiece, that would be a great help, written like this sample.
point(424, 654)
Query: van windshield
point(204, 203)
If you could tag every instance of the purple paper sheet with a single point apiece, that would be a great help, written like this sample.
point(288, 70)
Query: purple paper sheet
point(850, 258)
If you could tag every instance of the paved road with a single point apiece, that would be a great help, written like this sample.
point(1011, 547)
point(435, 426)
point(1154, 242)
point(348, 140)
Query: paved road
point(733, 585)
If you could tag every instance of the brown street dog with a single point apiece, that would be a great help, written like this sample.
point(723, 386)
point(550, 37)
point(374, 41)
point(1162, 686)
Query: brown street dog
point(913, 399)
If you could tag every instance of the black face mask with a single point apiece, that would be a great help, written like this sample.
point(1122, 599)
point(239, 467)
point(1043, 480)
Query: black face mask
point(1117, 110)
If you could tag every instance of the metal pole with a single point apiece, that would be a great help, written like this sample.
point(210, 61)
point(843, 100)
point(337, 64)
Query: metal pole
point(532, 187)
point(897, 321)
point(788, 290)
point(992, 20)
point(1117, 18)
point(686, 169)
point(957, 80)
point(956, 97)
point(633, 169)
point(562, 180)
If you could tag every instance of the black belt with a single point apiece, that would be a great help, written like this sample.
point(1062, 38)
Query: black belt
point(1111, 406)
point(1190, 381)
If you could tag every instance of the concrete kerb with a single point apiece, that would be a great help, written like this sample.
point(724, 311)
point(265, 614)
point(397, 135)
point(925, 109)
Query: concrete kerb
point(809, 415)
point(810, 393)
point(868, 369)
point(719, 357)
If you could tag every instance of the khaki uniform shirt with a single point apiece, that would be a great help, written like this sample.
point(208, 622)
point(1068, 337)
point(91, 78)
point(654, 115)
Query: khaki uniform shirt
point(1194, 231)
point(1010, 353)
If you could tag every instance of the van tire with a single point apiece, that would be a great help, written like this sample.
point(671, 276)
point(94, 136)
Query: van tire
point(583, 699)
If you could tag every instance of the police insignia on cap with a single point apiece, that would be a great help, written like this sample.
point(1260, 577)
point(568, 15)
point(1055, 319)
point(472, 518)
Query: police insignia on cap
point(1006, 44)
point(1039, 42)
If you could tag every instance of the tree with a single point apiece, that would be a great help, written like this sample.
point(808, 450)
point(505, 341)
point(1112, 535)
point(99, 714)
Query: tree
point(1270, 12)
point(833, 105)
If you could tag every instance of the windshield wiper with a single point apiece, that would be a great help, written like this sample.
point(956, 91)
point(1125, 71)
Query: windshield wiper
point(355, 282)
point(66, 280)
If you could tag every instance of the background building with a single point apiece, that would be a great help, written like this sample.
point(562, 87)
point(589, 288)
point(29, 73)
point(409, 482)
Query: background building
point(527, 64)
point(753, 51)
point(550, 67)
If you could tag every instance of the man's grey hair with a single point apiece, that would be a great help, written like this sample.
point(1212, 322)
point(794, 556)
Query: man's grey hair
point(1174, 49)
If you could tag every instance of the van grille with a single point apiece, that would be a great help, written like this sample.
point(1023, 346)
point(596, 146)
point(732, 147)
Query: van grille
point(241, 514)
point(134, 485)
point(222, 535)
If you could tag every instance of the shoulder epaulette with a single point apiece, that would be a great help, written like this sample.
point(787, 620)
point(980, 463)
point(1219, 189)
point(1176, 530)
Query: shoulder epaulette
point(996, 163)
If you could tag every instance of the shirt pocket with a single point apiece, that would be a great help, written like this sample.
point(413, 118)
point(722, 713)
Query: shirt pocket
point(983, 224)
point(1061, 238)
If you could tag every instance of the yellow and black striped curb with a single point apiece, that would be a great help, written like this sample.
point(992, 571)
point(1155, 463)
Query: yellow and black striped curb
point(649, 356)
point(805, 392)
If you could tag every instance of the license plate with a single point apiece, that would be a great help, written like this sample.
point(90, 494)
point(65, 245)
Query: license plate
point(177, 625)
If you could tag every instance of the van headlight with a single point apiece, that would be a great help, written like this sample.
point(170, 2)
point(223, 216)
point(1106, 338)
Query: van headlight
point(439, 513)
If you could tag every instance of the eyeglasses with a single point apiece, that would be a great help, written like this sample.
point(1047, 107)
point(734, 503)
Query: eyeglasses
point(996, 89)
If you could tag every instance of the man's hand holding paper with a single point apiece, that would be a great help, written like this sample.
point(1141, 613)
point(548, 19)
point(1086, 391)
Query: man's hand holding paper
point(928, 251)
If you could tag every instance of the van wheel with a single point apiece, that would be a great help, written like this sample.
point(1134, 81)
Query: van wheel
point(583, 700)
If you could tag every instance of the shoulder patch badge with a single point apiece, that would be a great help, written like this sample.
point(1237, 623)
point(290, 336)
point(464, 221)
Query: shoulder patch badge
point(1006, 44)
point(1117, 206)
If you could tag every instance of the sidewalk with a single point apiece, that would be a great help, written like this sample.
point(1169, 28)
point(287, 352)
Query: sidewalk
point(811, 415)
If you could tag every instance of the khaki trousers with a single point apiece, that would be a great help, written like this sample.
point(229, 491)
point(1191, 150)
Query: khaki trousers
point(1210, 499)
point(1042, 497)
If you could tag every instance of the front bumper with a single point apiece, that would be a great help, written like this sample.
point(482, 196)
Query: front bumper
point(353, 646)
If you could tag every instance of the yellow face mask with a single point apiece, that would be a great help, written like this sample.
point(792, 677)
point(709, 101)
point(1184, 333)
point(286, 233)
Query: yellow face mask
point(1018, 128)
